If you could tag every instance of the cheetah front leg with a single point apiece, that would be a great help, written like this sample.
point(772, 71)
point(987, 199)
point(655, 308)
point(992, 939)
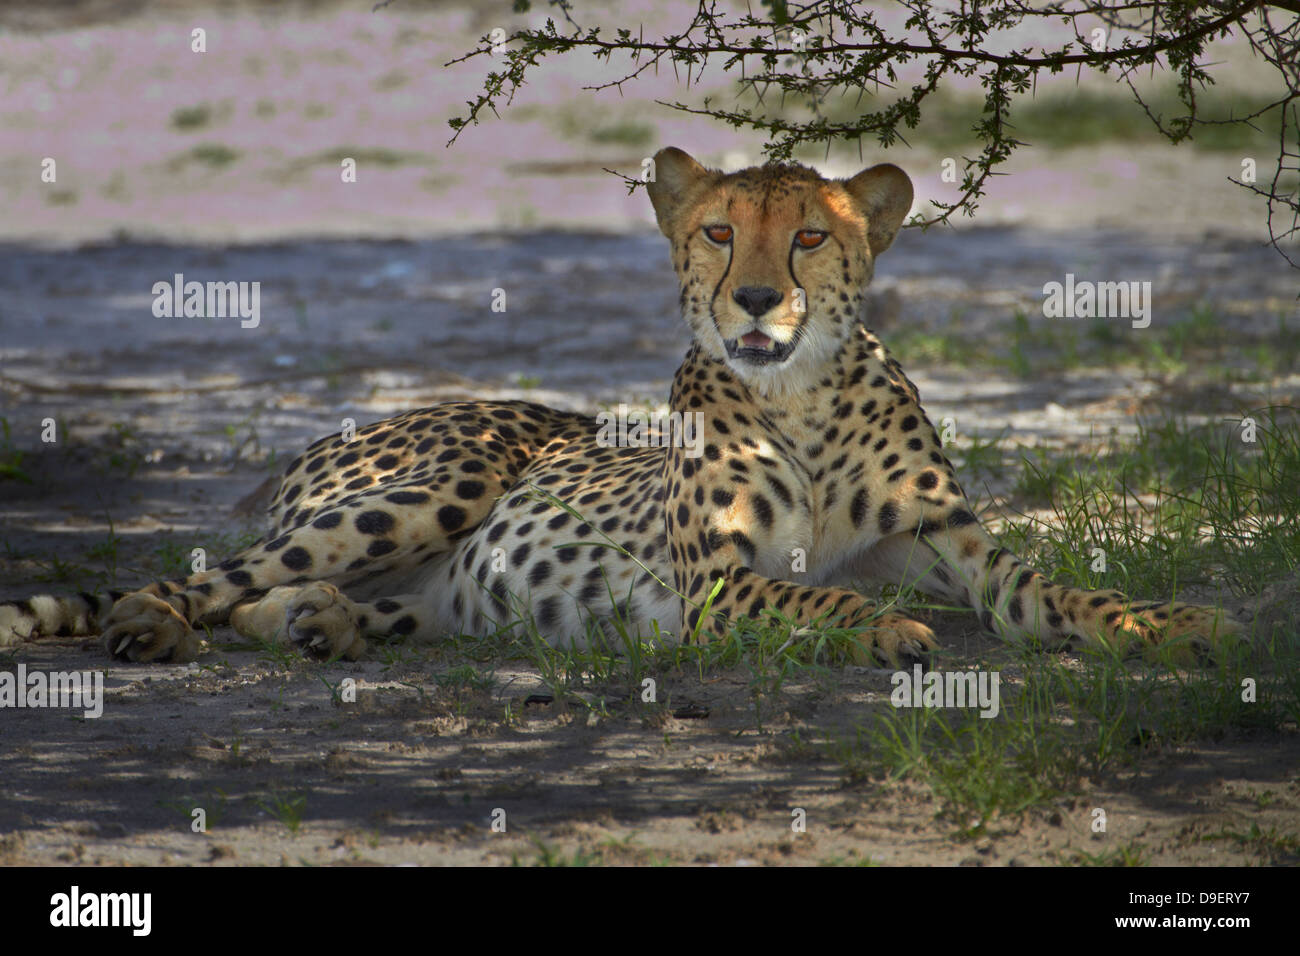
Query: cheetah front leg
point(1018, 603)
point(887, 638)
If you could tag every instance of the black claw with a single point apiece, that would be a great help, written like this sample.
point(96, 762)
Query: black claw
point(909, 659)
point(303, 642)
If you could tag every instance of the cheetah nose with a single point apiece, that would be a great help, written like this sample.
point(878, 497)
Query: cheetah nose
point(757, 300)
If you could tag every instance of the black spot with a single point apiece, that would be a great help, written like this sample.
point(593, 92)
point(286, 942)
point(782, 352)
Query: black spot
point(277, 544)
point(741, 541)
point(407, 497)
point(379, 547)
point(296, 559)
point(469, 490)
point(858, 507)
point(451, 517)
point(548, 612)
point(888, 517)
point(331, 519)
point(240, 579)
point(780, 490)
point(375, 522)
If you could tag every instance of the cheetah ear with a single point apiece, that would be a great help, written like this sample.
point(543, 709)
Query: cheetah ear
point(675, 176)
point(884, 193)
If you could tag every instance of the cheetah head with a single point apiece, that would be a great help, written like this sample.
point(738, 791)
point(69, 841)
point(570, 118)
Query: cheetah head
point(774, 260)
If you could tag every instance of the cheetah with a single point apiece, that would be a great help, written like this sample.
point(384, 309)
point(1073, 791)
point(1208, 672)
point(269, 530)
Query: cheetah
point(475, 516)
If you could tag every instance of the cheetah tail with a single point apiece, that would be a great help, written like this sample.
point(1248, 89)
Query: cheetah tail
point(47, 616)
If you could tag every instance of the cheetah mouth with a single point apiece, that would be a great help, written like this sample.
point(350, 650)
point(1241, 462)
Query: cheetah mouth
point(759, 348)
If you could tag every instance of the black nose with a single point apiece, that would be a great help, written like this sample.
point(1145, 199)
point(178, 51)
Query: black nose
point(756, 299)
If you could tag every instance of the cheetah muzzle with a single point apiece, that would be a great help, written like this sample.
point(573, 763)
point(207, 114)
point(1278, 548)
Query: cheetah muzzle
point(759, 348)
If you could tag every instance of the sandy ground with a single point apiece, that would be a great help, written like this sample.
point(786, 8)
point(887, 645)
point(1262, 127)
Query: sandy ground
point(376, 299)
point(413, 774)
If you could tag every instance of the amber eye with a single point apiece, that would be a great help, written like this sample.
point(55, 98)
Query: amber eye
point(718, 233)
point(809, 238)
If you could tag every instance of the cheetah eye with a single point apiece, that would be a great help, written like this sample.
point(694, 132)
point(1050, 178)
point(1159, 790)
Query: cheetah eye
point(718, 233)
point(809, 238)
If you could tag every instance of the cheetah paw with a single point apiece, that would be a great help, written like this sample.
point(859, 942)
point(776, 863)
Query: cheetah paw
point(321, 622)
point(143, 628)
point(894, 640)
point(1191, 634)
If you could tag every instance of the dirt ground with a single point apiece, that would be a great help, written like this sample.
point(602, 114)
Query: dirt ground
point(376, 303)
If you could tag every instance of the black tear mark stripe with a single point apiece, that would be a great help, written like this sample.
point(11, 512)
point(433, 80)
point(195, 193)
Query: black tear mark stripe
point(713, 302)
point(803, 316)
